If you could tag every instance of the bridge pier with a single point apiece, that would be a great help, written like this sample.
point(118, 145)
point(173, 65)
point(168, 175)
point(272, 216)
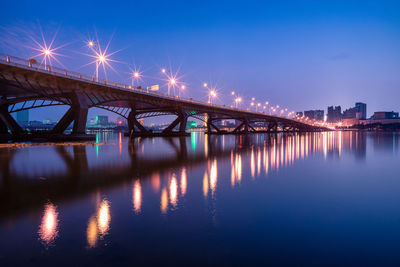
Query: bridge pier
point(77, 114)
point(74, 114)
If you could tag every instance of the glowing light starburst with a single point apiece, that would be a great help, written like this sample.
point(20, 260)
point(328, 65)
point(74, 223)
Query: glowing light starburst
point(173, 80)
point(212, 92)
point(101, 57)
point(136, 75)
point(47, 50)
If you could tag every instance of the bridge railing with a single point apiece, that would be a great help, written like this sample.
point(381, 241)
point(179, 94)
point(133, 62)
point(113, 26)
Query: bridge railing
point(42, 67)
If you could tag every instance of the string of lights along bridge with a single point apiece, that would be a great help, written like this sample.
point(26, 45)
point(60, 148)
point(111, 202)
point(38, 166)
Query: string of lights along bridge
point(28, 83)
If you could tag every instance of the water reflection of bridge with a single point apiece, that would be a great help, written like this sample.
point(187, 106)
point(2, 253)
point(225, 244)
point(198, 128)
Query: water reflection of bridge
point(260, 153)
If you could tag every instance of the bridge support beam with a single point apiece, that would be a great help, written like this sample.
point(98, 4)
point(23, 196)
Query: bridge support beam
point(64, 122)
point(77, 115)
point(237, 129)
point(133, 122)
point(8, 122)
point(272, 126)
point(211, 126)
point(181, 120)
point(80, 118)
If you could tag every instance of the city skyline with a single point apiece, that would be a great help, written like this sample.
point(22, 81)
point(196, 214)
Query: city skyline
point(323, 53)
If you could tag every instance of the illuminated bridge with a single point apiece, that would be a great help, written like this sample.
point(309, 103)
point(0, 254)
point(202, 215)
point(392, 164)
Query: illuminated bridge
point(24, 85)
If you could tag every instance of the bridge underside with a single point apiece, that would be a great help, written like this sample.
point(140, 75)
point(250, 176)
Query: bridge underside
point(23, 89)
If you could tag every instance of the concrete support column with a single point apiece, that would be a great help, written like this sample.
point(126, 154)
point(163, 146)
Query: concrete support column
point(209, 120)
point(80, 118)
point(77, 113)
point(246, 126)
point(183, 123)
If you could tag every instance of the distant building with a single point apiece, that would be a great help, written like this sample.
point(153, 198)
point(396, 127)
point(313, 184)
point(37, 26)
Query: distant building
point(361, 111)
point(102, 120)
point(334, 114)
point(23, 116)
point(384, 115)
point(314, 114)
point(350, 113)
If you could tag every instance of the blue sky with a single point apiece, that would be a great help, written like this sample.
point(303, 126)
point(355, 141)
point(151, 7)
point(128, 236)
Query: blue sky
point(298, 54)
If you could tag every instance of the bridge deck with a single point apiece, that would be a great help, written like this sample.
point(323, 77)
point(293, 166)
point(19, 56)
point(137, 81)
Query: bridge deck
point(22, 81)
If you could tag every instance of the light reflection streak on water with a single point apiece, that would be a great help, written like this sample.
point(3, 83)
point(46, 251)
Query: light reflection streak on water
point(103, 217)
point(193, 140)
point(92, 232)
point(48, 229)
point(183, 181)
point(155, 182)
point(97, 145)
point(252, 163)
point(258, 162)
point(205, 184)
point(213, 176)
point(236, 169)
point(137, 196)
point(173, 191)
point(206, 145)
point(120, 142)
point(266, 160)
point(164, 201)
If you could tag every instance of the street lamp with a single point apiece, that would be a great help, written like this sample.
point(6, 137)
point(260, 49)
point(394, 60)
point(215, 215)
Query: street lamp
point(237, 101)
point(172, 79)
point(212, 94)
point(135, 76)
point(258, 105)
point(183, 87)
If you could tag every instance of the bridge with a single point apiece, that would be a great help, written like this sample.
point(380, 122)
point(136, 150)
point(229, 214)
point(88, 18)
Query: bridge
point(25, 84)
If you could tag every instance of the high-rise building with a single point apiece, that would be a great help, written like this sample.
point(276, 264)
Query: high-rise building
point(334, 114)
point(23, 116)
point(361, 111)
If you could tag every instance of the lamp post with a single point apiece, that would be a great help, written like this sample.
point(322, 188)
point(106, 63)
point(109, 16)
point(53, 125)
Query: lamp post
point(95, 48)
point(237, 101)
point(258, 105)
point(135, 75)
point(211, 95)
point(183, 87)
point(211, 92)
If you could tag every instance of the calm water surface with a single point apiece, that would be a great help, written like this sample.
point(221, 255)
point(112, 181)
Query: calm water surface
point(324, 198)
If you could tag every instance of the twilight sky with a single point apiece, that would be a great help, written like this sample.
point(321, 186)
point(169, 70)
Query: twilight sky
point(298, 54)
